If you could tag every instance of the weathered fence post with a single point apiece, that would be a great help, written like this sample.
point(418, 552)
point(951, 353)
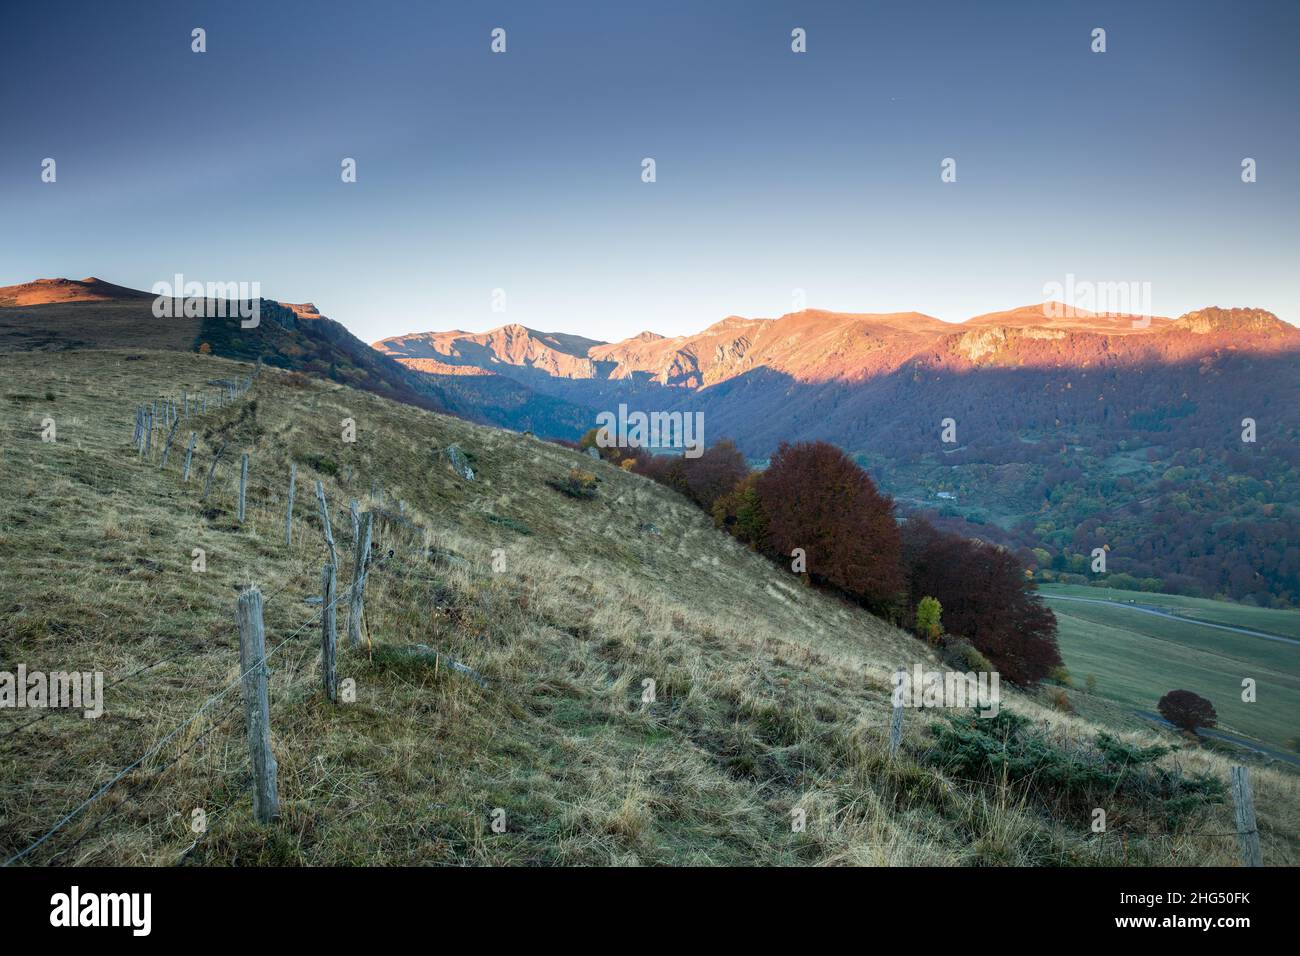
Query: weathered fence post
point(207, 485)
point(288, 518)
point(148, 436)
point(896, 722)
point(355, 511)
point(1247, 830)
point(243, 485)
point(326, 530)
point(257, 708)
point(167, 446)
point(359, 581)
point(329, 632)
point(189, 455)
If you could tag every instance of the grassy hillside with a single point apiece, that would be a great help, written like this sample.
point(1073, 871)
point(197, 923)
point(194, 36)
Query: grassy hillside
point(769, 697)
point(1138, 657)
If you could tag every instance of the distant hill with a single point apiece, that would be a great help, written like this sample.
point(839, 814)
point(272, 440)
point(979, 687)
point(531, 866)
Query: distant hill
point(90, 313)
point(1073, 430)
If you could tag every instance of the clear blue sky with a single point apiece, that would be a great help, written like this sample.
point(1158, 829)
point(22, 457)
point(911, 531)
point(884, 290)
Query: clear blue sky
point(776, 171)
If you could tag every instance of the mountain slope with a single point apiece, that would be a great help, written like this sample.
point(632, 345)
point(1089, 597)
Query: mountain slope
point(769, 696)
point(1072, 430)
point(90, 313)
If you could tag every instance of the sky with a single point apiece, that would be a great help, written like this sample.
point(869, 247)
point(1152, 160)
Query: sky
point(775, 171)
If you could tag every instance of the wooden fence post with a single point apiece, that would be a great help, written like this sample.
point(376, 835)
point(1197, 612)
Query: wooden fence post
point(896, 723)
point(189, 455)
point(243, 485)
point(329, 632)
point(354, 509)
point(207, 486)
point(257, 708)
point(167, 446)
point(1247, 829)
point(148, 435)
point(288, 518)
point(358, 605)
point(326, 530)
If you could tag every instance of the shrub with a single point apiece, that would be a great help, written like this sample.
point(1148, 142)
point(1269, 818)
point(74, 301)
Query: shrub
point(1186, 710)
point(1059, 675)
point(578, 484)
point(319, 463)
point(962, 656)
point(817, 498)
point(740, 511)
point(928, 612)
point(1060, 700)
point(1068, 781)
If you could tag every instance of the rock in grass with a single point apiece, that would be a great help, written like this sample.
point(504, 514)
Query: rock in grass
point(459, 463)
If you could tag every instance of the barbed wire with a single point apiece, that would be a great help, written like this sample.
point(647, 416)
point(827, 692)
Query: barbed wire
point(203, 708)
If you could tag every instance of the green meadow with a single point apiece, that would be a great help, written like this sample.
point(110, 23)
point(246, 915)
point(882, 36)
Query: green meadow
point(1137, 657)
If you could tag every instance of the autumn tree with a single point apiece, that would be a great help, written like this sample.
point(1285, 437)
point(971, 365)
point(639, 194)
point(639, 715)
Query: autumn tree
point(740, 512)
point(986, 599)
point(928, 625)
point(817, 498)
point(714, 473)
point(1186, 710)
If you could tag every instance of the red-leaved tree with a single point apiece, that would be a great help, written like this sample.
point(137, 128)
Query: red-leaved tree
point(986, 599)
point(815, 497)
point(1186, 710)
point(715, 473)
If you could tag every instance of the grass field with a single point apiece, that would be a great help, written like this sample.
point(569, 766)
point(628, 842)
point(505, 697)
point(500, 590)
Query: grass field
point(1266, 620)
point(769, 696)
point(1138, 657)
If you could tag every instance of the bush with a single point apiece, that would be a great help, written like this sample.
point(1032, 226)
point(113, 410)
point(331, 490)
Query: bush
point(740, 512)
point(817, 498)
point(962, 656)
point(1186, 710)
point(1069, 781)
point(928, 612)
point(321, 464)
point(578, 484)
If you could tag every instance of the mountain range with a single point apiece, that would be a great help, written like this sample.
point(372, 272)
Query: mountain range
point(1170, 442)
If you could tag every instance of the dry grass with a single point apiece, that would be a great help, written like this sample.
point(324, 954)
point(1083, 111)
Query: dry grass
point(769, 697)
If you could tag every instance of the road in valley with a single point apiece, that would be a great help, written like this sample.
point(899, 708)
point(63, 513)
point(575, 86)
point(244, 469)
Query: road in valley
point(1148, 609)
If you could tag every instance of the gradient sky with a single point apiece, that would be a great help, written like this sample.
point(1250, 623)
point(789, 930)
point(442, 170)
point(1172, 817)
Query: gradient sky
point(776, 171)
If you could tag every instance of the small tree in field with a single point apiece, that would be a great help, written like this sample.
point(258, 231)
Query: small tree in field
point(1186, 710)
point(927, 619)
